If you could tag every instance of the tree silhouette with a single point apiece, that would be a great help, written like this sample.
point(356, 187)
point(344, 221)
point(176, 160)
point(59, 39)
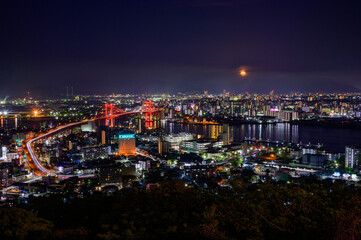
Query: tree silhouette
point(20, 224)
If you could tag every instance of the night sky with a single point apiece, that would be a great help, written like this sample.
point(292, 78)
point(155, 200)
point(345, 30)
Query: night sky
point(146, 46)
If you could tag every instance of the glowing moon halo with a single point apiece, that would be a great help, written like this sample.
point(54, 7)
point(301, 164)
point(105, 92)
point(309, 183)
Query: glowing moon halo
point(243, 73)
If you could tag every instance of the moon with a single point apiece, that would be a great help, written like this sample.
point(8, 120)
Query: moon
point(243, 73)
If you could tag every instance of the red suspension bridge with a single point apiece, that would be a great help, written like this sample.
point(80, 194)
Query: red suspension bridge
point(109, 113)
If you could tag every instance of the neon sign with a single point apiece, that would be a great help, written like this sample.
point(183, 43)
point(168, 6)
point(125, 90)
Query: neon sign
point(125, 136)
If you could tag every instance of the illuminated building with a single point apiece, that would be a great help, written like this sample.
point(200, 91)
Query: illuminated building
point(126, 143)
point(109, 175)
point(3, 153)
point(91, 153)
point(103, 137)
point(163, 146)
point(173, 141)
point(89, 127)
point(197, 147)
point(214, 131)
point(314, 160)
point(4, 175)
point(201, 171)
point(295, 116)
point(227, 135)
point(352, 156)
point(140, 125)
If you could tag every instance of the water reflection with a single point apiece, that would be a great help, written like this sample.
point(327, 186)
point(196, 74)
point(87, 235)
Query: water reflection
point(333, 138)
point(16, 122)
point(275, 132)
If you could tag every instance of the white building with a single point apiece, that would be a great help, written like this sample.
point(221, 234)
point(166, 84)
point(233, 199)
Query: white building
point(4, 151)
point(352, 156)
point(175, 140)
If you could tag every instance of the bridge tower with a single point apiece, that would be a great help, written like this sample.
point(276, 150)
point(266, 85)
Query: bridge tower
point(148, 109)
point(109, 114)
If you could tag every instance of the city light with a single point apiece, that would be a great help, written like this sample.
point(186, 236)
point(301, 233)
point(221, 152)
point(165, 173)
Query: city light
point(125, 136)
point(203, 119)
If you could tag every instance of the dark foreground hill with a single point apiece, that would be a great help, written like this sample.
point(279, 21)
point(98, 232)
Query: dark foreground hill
point(174, 211)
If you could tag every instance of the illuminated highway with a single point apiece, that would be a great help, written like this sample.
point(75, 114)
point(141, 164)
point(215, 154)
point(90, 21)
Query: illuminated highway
point(35, 164)
point(28, 145)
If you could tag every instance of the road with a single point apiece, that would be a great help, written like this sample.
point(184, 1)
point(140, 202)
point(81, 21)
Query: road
point(34, 163)
point(28, 145)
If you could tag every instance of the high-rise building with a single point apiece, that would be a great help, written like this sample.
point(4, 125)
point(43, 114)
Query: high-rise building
point(4, 176)
point(162, 146)
point(103, 137)
point(140, 125)
point(4, 180)
point(352, 156)
point(214, 131)
point(126, 142)
point(227, 135)
point(295, 116)
point(3, 153)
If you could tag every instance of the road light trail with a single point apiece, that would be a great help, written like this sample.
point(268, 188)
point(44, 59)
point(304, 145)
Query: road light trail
point(33, 158)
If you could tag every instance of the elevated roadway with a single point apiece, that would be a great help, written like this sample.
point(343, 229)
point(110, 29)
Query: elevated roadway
point(28, 145)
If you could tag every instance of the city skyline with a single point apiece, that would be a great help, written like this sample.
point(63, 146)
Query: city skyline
point(180, 119)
